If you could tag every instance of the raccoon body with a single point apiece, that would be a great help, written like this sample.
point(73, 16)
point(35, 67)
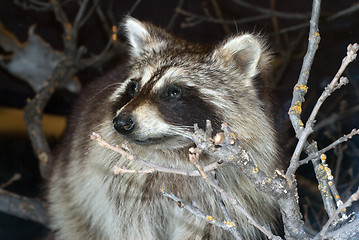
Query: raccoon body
point(169, 86)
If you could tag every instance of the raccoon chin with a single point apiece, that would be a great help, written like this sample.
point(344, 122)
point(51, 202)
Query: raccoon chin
point(166, 141)
point(150, 141)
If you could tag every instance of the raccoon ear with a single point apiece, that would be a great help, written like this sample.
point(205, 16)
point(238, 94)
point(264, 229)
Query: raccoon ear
point(143, 36)
point(245, 50)
point(137, 34)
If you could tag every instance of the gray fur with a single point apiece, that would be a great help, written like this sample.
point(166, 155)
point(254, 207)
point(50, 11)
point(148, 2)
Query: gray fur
point(87, 201)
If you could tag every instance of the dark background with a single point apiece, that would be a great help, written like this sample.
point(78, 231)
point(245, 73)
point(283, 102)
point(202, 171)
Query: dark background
point(16, 155)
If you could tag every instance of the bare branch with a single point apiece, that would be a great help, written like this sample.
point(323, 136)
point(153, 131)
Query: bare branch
point(349, 232)
point(336, 82)
point(89, 12)
point(33, 116)
point(303, 134)
point(221, 21)
point(301, 88)
point(219, 15)
point(271, 12)
point(229, 150)
point(126, 152)
point(336, 117)
point(108, 52)
point(295, 111)
point(344, 12)
point(227, 217)
point(293, 28)
point(134, 6)
point(23, 207)
point(66, 67)
point(79, 17)
point(33, 5)
point(294, 161)
point(61, 16)
point(194, 159)
point(175, 15)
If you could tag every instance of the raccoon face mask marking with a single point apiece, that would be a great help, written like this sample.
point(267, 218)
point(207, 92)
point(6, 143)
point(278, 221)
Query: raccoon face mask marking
point(174, 108)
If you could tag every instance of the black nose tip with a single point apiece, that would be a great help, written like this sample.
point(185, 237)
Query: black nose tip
point(124, 124)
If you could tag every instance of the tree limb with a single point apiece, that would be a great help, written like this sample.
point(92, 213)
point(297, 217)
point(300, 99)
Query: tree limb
point(23, 207)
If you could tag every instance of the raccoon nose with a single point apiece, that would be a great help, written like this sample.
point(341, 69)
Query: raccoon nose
point(124, 124)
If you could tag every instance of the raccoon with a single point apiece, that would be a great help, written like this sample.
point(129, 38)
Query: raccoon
point(169, 85)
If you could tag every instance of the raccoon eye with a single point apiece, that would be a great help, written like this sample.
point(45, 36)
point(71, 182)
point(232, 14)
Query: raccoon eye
point(132, 87)
point(174, 92)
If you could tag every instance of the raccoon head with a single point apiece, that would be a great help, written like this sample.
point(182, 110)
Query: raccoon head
point(173, 84)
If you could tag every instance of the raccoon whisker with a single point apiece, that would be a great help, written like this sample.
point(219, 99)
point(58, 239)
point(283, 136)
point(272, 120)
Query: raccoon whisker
point(106, 129)
point(183, 131)
point(108, 124)
point(110, 133)
point(103, 89)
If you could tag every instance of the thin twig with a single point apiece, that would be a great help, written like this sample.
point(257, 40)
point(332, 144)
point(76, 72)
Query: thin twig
point(336, 83)
point(293, 28)
point(287, 57)
point(348, 232)
point(134, 6)
point(294, 161)
point(354, 197)
point(95, 5)
point(198, 213)
point(224, 146)
point(14, 178)
point(175, 15)
point(335, 117)
point(126, 152)
point(344, 12)
point(219, 15)
point(78, 20)
point(331, 146)
point(227, 217)
point(33, 5)
point(271, 12)
point(108, 52)
point(194, 159)
point(104, 22)
point(221, 21)
point(151, 167)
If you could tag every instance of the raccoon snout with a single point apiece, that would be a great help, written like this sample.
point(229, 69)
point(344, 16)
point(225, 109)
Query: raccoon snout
point(124, 123)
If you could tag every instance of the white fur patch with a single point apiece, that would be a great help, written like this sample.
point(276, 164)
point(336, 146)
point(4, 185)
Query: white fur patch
point(174, 75)
point(168, 77)
point(146, 75)
point(119, 91)
point(136, 34)
point(150, 124)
